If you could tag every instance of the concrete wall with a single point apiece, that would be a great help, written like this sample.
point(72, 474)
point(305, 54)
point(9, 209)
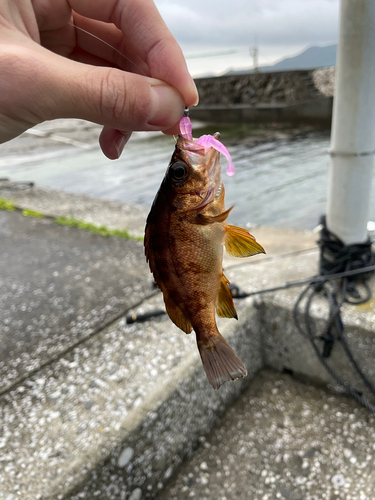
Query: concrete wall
point(285, 96)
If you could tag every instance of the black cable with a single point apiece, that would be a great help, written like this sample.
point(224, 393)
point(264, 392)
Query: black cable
point(140, 318)
point(310, 291)
point(350, 354)
point(237, 293)
point(337, 259)
point(292, 284)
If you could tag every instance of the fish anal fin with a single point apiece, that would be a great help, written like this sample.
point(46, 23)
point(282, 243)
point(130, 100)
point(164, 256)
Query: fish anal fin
point(240, 243)
point(176, 315)
point(204, 220)
point(225, 307)
point(220, 362)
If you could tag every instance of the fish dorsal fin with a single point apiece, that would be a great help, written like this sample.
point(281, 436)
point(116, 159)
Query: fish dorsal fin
point(204, 220)
point(240, 243)
point(225, 307)
point(175, 313)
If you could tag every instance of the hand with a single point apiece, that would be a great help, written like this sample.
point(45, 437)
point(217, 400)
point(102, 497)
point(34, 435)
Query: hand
point(49, 69)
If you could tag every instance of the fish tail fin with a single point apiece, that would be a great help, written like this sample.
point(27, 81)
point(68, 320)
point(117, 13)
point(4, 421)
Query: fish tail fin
point(219, 360)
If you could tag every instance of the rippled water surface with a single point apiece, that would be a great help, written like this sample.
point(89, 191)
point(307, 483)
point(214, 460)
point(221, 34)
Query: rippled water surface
point(278, 183)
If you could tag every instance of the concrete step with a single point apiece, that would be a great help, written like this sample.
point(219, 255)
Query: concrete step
point(283, 439)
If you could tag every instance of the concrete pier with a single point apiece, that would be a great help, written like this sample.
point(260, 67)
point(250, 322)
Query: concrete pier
point(91, 407)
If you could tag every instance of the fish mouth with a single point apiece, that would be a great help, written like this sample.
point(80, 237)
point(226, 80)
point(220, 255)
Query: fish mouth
point(214, 178)
point(214, 190)
point(207, 160)
point(212, 194)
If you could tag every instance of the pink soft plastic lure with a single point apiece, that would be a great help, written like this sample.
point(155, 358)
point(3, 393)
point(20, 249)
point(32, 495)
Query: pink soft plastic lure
point(206, 141)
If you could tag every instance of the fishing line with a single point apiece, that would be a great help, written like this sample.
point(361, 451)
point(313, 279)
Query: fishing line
point(108, 45)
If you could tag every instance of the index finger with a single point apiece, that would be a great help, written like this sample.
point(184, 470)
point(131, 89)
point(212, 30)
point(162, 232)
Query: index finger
point(144, 27)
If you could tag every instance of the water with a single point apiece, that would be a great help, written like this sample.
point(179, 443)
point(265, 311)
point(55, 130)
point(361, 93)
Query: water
point(277, 183)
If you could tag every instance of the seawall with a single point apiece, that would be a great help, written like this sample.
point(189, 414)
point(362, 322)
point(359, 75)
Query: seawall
point(301, 96)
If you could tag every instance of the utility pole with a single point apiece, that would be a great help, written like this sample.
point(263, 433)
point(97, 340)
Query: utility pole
point(353, 124)
point(254, 54)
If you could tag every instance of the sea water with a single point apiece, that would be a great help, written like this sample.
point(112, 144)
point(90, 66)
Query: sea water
point(277, 182)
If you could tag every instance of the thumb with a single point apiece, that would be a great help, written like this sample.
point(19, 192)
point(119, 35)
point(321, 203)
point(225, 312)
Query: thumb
point(109, 96)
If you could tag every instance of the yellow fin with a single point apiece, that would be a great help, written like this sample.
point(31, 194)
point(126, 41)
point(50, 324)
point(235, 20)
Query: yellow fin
point(225, 307)
point(204, 220)
point(240, 243)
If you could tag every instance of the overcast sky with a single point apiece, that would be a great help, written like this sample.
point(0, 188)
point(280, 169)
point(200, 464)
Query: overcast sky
point(282, 28)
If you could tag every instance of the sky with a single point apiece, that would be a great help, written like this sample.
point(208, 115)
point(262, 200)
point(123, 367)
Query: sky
point(216, 35)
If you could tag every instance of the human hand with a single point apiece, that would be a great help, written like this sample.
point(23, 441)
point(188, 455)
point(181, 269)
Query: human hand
point(49, 69)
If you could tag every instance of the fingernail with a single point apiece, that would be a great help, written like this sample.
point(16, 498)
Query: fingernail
point(195, 90)
point(120, 142)
point(167, 106)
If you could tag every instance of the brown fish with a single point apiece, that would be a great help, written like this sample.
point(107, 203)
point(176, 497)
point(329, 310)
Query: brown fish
point(185, 233)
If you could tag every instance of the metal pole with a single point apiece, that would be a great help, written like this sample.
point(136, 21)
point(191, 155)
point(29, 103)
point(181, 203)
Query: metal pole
point(353, 126)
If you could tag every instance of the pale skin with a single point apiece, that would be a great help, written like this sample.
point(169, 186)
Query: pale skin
point(51, 70)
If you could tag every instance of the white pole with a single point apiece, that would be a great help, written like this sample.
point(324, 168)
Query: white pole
point(353, 124)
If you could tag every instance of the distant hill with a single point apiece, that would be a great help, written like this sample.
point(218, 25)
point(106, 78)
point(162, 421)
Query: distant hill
point(313, 57)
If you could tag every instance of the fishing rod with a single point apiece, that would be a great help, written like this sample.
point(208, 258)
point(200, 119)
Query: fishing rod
point(237, 293)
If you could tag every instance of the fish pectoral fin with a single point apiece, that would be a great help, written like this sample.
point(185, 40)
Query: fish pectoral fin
point(219, 360)
point(176, 315)
point(240, 243)
point(225, 307)
point(204, 220)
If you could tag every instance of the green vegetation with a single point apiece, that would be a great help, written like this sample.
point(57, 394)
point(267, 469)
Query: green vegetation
point(99, 230)
point(71, 222)
point(32, 213)
point(7, 205)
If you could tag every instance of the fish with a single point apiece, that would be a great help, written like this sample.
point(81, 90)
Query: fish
point(186, 230)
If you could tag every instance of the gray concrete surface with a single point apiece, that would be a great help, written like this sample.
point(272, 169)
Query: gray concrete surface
point(283, 439)
point(59, 285)
point(78, 417)
point(118, 411)
point(283, 346)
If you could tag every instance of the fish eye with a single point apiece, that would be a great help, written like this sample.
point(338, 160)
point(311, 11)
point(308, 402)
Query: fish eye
point(178, 171)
